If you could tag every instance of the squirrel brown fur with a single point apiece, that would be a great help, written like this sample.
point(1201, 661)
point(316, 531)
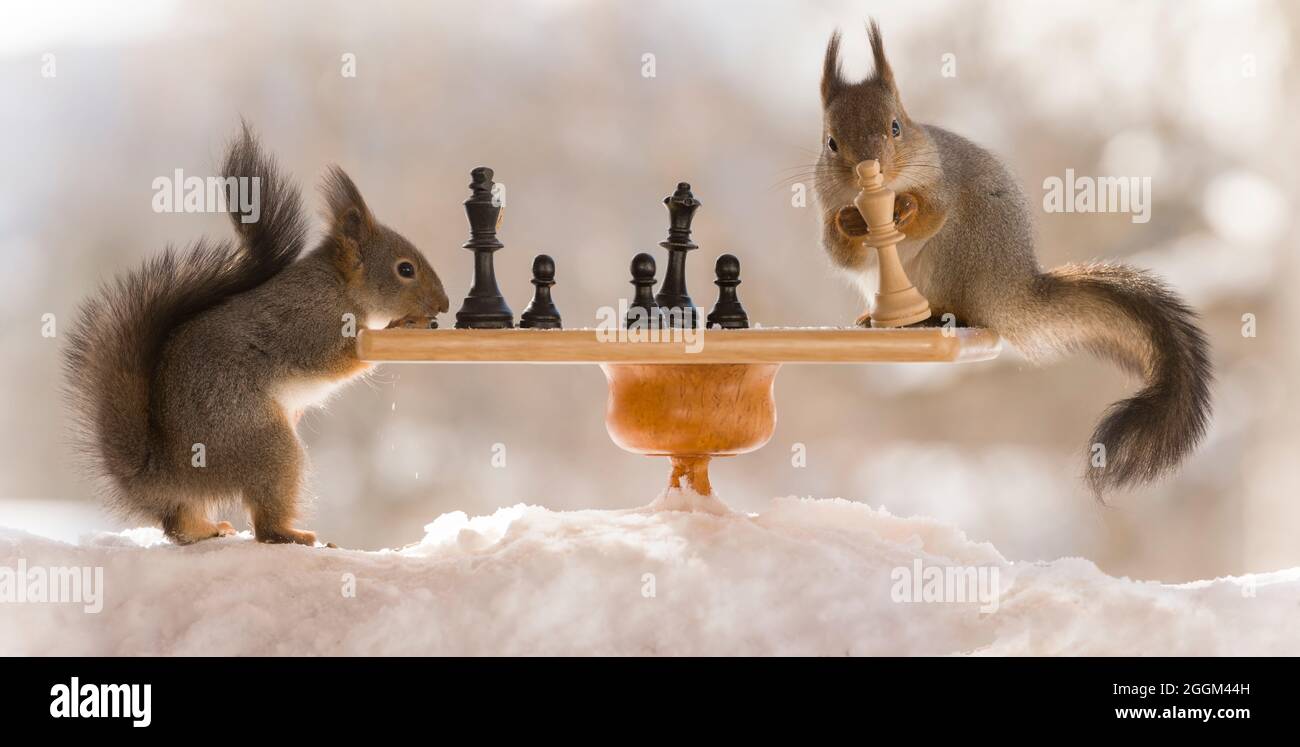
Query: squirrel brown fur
point(224, 344)
point(970, 251)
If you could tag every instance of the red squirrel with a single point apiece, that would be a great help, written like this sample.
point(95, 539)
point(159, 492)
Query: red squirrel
point(219, 348)
point(970, 251)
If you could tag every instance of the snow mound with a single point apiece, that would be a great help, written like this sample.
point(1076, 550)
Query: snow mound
point(818, 577)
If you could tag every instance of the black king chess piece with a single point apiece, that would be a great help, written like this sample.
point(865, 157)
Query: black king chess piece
point(674, 303)
point(727, 312)
point(644, 312)
point(484, 307)
point(541, 312)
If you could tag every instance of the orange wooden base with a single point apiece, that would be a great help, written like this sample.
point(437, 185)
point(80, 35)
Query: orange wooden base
point(691, 413)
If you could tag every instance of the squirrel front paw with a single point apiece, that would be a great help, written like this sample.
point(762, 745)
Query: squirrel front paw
point(851, 224)
point(414, 321)
point(905, 210)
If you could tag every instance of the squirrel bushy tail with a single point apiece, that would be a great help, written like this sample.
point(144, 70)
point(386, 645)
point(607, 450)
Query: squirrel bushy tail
point(276, 238)
point(115, 343)
point(1128, 316)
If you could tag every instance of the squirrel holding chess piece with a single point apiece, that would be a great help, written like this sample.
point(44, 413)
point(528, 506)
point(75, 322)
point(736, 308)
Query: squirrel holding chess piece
point(188, 375)
point(968, 248)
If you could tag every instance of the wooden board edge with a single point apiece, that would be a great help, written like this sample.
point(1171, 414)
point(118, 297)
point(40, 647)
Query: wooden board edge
point(924, 344)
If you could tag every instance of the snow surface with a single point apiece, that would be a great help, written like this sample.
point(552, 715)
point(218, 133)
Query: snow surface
point(804, 577)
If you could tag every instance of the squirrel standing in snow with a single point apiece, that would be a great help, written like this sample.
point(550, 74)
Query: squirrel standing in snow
point(224, 345)
point(970, 251)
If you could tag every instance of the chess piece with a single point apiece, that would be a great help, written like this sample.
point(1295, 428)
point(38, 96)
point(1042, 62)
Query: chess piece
point(898, 304)
point(674, 302)
point(541, 312)
point(484, 307)
point(727, 312)
point(644, 311)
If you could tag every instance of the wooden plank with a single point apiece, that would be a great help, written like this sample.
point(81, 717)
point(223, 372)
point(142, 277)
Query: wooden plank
point(769, 345)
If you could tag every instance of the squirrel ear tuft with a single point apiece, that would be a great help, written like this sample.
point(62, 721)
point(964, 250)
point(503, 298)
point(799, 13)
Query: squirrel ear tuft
point(347, 210)
point(883, 72)
point(832, 76)
point(352, 225)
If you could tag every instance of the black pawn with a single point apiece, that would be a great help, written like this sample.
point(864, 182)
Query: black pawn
point(484, 307)
point(673, 300)
point(541, 312)
point(727, 312)
point(644, 312)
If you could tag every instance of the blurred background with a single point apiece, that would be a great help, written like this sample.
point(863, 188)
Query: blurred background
point(1200, 96)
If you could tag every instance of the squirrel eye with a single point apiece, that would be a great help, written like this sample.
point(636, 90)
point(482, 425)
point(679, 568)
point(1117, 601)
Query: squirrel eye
point(896, 128)
point(830, 143)
point(406, 269)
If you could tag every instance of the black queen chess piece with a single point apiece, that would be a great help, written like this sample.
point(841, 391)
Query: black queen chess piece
point(727, 312)
point(484, 307)
point(541, 312)
point(644, 311)
point(674, 302)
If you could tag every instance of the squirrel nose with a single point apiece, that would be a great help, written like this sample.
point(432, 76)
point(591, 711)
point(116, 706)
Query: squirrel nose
point(440, 303)
point(875, 149)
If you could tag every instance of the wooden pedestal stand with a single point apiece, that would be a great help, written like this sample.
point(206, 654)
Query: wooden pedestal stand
point(665, 400)
point(690, 413)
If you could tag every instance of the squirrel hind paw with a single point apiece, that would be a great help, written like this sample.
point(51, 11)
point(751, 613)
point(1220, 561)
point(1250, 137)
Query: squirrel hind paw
point(193, 529)
point(286, 536)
